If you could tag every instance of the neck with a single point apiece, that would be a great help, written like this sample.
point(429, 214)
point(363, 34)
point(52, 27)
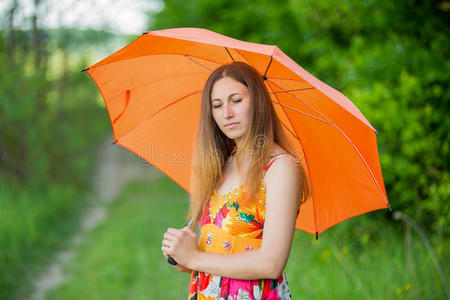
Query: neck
point(237, 142)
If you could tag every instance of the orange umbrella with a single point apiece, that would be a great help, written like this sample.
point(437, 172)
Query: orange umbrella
point(152, 89)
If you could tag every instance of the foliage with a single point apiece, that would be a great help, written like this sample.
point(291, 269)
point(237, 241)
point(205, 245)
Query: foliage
point(389, 57)
point(47, 148)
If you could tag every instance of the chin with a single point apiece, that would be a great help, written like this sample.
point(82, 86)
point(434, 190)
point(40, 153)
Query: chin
point(234, 136)
point(233, 133)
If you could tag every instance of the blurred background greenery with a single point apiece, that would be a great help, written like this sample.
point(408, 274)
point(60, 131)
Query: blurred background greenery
point(390, 58)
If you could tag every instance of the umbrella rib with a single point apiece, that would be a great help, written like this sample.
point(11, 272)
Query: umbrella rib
point(307, 167)
point(277, 78)
point(188, 56)
point(299, 111)
point(365, 163)
point(141, 56)
point(157, 112)
point(309, 106)
point(158, 79)
point(246, 59)
point(287, 128)
point(351, 143)
point(127, 101)
point(287, 91)
point(229, 54)
point(267, 69)
point(273, 92)
point(264, 76)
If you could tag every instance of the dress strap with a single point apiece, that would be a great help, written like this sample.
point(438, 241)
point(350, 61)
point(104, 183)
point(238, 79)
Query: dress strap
point(233, 150)
point(273, 159)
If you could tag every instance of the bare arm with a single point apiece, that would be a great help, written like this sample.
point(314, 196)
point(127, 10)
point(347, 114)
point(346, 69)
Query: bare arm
point(183, 269)
point(249, 265)
point(283, 191)
point(179, 267)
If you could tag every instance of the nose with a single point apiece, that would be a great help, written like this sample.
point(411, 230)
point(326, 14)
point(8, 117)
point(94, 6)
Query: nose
point(228, 111)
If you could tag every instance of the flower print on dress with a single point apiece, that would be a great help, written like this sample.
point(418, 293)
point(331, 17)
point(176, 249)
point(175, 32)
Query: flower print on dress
point(257, 292)
point(248, 248)
point(283, 289)
point(221, 216)
point(209, 238)
point(251, 220)
point(235, 204)
point(231, 287)
point(248, 221)
point(213, 288)
point(227, 245)
point(243, 295)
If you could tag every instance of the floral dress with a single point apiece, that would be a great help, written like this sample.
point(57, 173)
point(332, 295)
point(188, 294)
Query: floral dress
point(228, 227)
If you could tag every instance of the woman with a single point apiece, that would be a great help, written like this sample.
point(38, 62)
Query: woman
point(246, 184)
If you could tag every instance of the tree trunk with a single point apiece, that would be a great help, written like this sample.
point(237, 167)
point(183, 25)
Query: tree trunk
point(10, 44)
point(36, 38)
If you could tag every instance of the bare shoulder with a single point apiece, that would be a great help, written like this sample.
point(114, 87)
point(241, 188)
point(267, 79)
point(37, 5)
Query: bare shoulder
point(276, 150)
point(283, 185)
point(284, 167)
point(284, 171)
point(283, 160)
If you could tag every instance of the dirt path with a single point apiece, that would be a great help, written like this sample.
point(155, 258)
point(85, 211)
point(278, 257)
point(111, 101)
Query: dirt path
point(115, 167)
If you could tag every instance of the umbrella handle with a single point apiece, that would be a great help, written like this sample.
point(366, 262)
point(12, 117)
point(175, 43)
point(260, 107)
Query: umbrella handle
point(171, 260)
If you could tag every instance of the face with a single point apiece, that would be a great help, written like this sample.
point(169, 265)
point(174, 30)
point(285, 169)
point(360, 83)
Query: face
point(230, 106)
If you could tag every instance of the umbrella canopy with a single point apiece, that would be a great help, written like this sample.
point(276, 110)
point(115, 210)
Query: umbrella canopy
point(152, 89)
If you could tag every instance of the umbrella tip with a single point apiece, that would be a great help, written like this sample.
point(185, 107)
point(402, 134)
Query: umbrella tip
point(376, 132)
point(390, 209)
point(144, 32)
point(317, 235)
point(85, 69)
point(113, 143)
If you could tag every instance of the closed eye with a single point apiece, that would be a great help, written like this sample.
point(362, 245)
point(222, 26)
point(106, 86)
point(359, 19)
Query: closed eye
point(234, 101)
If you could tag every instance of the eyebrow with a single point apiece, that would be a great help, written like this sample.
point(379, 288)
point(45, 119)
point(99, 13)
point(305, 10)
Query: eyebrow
point(228, 96)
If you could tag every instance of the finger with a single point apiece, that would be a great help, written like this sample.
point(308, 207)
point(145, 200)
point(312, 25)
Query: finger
point(164, 249)
point(172, 239)
point(173, 231)
point(167, 243)
point(164, 253)
point(167, 250)
point(169, 236)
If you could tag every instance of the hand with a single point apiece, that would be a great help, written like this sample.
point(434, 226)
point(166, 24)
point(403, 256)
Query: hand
point(178, 267)
point(180, 244)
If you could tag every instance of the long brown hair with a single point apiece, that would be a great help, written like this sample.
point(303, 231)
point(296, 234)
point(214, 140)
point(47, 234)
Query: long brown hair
point(213, 147)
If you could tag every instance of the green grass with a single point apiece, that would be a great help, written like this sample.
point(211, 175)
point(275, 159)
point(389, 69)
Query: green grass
point(348, 262)
point(361, 258)
point(122, 258)
point(35, 222)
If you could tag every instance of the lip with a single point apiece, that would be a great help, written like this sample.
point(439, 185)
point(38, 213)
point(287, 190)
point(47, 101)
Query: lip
point(231, 125)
